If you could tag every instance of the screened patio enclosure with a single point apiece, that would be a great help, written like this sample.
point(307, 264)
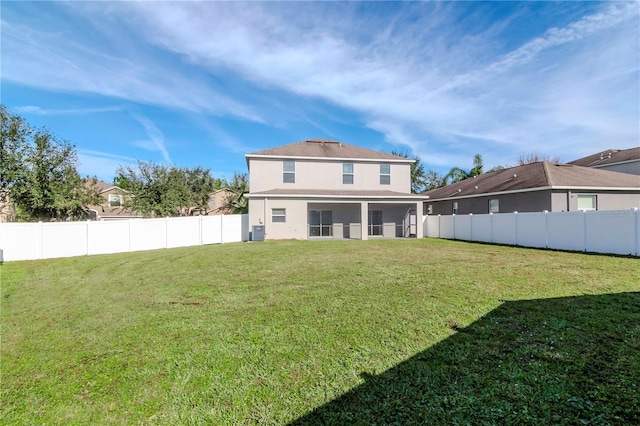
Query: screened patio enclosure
point(344, 220)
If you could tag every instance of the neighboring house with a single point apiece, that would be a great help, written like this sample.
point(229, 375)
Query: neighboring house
point(218, 204)
point(537, 187)
point(319, 189)
point(615, 160)
point(113, 199)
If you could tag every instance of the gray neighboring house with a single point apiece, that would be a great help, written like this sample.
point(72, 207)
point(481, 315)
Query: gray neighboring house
point(537, 187)
point(324, 189)
point(615, 160)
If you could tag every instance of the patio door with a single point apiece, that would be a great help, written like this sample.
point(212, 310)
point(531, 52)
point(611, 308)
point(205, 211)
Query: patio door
point(320, 223)
point(375, 222)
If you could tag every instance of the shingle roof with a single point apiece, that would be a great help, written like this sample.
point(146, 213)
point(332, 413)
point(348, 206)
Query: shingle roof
point(536, 175)
point(324, 148)
point(609, 156)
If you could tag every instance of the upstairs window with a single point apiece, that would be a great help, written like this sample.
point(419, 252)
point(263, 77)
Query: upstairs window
point(289, 171)
point(494, 206)
point(115, 200)
point(347, 173)
point(385, 174)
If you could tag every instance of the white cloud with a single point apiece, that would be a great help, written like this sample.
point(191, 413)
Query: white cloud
point(157, 141)
point(36, 110)
point(103, 165)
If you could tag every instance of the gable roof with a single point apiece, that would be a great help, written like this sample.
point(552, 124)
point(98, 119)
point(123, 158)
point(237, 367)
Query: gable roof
point(325, 148)
point(536, 176)
point(102, 186)
point(610, 156)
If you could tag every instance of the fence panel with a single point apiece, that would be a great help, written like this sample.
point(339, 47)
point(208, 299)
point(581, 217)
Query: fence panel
point(531, 230)
point(608, 231)
point(431, 226)
point(463, 227)
point(183, 231)
point(232, 228)
point(504, 228)
point(148, 234)
point(481, 227)
point(446, 227)
point(21, 241)
point(108, 237)
point(212, 230)
point(64, 239)
point(565, 230)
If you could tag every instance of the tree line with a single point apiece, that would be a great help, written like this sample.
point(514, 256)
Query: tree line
point(39, 180)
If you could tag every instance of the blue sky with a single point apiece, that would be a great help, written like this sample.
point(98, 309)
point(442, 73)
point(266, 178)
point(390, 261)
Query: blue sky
point(204, 83)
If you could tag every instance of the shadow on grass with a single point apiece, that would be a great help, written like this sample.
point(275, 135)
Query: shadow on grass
point(573, 360)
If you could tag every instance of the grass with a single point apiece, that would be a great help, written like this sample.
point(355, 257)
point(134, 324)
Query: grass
point(347, 332)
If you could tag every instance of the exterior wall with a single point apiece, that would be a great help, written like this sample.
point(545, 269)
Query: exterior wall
point(632, 168)
point(266, 174)
point(607, 200)
point(295, 225)
point(535, 201)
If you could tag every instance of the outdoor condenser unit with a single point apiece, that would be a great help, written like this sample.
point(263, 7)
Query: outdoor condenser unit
point(257, 233)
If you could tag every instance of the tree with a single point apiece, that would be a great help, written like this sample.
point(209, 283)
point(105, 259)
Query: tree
point(161, 190)
point(418, 178)
point(238, 185)
point(536, 158)
point(456, 174)
point(38, 173)
point(433, 180)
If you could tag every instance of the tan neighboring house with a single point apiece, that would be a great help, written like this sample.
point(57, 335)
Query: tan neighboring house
point(218, 204)
point(615, 160)
point(324, 189)
point(537, 187)
point(113, 199)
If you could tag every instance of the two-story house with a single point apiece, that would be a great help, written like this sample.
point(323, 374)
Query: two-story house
point(319, 189)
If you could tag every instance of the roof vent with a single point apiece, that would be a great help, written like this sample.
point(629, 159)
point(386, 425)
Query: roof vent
point(476, 187)
point(459, 190)
point(515, 175)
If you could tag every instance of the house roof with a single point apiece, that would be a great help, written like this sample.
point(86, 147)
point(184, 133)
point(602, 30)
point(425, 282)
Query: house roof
point(537, 176)
point(325, 148)
point(102, 186)
point(332, 193)
point(609, 156)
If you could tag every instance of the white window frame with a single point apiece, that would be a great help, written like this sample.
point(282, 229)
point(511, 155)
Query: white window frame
point(385, 174)
point(494, 208)
point(278, 215)
point(593, 197)
point(116, 197)
point(347, 176)
point(288, 171)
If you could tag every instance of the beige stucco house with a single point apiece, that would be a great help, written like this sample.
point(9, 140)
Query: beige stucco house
point(112, 202)
point(537, 187)
point(324, 189)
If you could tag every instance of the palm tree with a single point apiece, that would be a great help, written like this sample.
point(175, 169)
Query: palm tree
point(456, 174)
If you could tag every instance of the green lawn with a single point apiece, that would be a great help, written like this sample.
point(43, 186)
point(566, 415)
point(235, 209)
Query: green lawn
point(345, 332)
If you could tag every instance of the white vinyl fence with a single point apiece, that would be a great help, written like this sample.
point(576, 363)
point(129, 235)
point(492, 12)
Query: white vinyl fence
point(24, 241)
point(612, 231)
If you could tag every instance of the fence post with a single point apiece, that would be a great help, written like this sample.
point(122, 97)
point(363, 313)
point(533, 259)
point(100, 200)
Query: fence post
point(584, 230)
point(471, 227)
point(439, 233)
point(636, 213)
point(222, 229)
point(491, 227)
point(88, 222)
point(516, 227)
point(546, 229)
point(130, 235)
point(41, 226)
point(166, 232)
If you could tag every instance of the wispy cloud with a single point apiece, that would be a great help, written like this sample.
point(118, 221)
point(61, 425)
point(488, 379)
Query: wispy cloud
point(155, 135)
point(36, 110)
point(101, 164)
point(440, 78)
